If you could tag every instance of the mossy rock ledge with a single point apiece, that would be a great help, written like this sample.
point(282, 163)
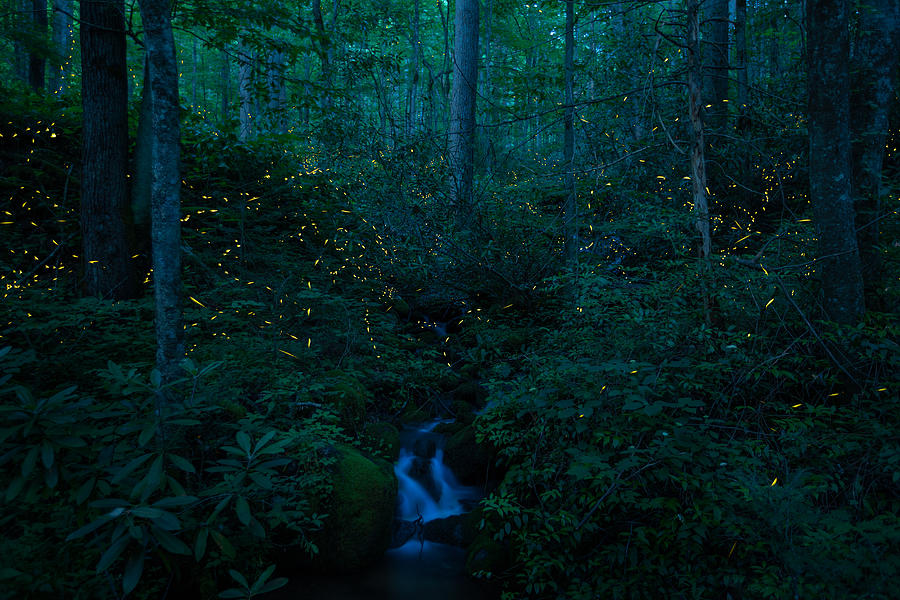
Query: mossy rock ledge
point(360, 510)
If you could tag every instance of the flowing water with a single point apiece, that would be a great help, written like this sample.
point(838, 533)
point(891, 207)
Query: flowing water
point(419, 569)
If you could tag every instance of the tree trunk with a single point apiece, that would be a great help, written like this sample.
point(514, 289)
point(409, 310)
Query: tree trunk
point(715, 65)
point(695, 107)
point(62, 43)
point(277, 93)
point(166, 187)
point(829, 160)
point(412, 87)
point(142, 171)
point(36, 61)
point(324, 56)
point(108, 271)
point(872, 88)
point(570, 228)
point(226, 86)
point(245, 91)
point(743, 74)
point(17, 10)
point(461, 139)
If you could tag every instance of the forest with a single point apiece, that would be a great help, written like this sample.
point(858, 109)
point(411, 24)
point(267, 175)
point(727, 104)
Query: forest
point(449, 299)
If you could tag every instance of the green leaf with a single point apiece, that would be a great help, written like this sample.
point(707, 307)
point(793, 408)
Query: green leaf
point(93, 525)
point(223, 543)
point(15, 486)
point(146, 512)
point(237, 576)
point(256, 528)
point(84, 491)
point(169, 541)
point(175, 501)
point(30, 461)
point(181, 463)
point(243, 510)
point(155, 378)
point(263, 441)
point(130, 467)
point(112, 553)
point(147, 434)
point(261, 580)
point(133, 569)
point(46, 454)
point(278, 582)
point(9, 573)
point(243, 441)
point(51, 477)
point(200, 544)
point(233, 593)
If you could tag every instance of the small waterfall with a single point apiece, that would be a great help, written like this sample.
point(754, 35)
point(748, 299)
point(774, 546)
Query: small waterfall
point(427, 488)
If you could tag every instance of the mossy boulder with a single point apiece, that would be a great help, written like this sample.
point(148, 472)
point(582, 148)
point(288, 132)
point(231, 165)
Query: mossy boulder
point(468, 461)
point(463, 411)
point(470, 392)
point(486, 555)
point(348, 396)
point(360, 510)
point(383, 438)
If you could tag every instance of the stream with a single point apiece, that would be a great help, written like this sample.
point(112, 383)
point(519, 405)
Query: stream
point(418, 569)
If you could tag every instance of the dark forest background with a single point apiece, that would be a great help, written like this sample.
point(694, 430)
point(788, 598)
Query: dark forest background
point(645, 253)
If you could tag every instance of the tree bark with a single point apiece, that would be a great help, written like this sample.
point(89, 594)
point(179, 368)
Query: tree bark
point(37, 63)
point(872, 87)
point(695, 107)
point(62, 43)
point(412, 87)
point(743, 74)
point(829, 160)
point(108, 271)
point(324, 49)
point(277, 93)
point(715, 65)
point(226, 86)
point(166, 187)
point(245, 91)
point(461, 138)
point(570, 230)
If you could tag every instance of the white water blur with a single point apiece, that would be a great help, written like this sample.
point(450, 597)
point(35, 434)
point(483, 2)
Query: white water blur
point(437, 494)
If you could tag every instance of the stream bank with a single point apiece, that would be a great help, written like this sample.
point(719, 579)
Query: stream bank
point(432, 507)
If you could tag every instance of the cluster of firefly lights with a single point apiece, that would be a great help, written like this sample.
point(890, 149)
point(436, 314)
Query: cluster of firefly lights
point(672, 185)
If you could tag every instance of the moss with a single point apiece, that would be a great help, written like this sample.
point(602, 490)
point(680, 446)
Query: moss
point(486, 555)
point(468, 461)
point(360, 510)
point(348, 396)
point(383, 438)
point(471, 393)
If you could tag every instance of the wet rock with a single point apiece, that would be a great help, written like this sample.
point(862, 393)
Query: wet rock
point(468, 461)
point(455, 530)
point(402, 531)
point(360, 512)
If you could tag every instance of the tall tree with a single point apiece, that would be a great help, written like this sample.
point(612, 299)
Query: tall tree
point(715, 63)
point(461, 138)
point(829, 159)
point(743, 71)
point(37, 61)
point(62, 41)
point(245, 92)
point(569, 229)
point(165, 187)
point(872, 87)
point(695, 109)
point(108, 271)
